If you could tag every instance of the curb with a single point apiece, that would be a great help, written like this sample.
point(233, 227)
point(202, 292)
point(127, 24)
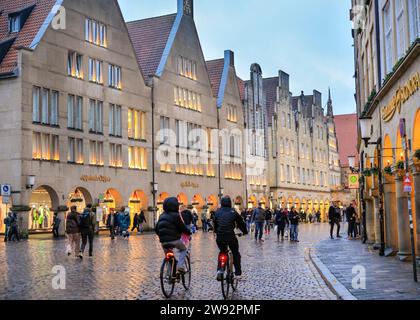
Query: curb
point(335, 286)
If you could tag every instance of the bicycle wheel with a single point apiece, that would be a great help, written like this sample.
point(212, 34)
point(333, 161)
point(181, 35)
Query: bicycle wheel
point(234, 282)
point(186, 278)
point(166, 282)
point(225, 284)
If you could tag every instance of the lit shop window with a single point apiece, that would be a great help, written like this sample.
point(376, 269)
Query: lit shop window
point(75, 65)
point(45, 106)
point(96, 71)
point(115, 120)
point(75, 151)
point(136, 124)
point(187, 99)
point(95, 32)
point(45, 147)
point(187, 68)
point(114, 76)
point(74, 112)
point(96, 116)
point(232, 113)
point(185, 165)
point(137, 158)
point(96, 153)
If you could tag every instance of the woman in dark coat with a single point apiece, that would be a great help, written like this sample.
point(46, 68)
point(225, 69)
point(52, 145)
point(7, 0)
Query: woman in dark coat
point(282, 220)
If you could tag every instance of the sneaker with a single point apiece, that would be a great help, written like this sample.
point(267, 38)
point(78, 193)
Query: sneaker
point(90, 254)
point(339, 237)
point(80, 256)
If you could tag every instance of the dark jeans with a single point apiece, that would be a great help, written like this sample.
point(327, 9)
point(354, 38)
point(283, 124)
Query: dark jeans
point(336, 222)
point(13, 234)
point(352, 232)
point(233, 244)
point(55, 232)
point(204, 222)
point(85, 236)
point(259, 230)
point(280, 230)
point(135, 227)
point(112, 232)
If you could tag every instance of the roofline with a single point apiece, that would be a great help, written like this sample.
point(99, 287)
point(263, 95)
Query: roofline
point(46, 24)
point(138, 20)
point(223, 81)
point(169, 44)
point(10, 74)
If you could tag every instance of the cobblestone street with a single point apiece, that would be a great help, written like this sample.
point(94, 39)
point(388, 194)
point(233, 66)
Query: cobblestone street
point(130, 270)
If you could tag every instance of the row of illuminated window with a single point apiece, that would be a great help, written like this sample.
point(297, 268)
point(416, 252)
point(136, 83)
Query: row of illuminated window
point(45, 110)
point(297, 175)
point(95, 71)
point(187, 68)
point(188, 99)
point(233, 172)
point(46, 147)
point(189, 165)
point(258, 180)
point(96, 32)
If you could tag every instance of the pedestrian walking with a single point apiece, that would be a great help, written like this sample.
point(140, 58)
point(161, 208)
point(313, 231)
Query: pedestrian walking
point(351, 217)
point(7, 222)
point(204, 220)
point(136, 224)
point(112, 223)
point(87, 229)
point(13, 234)
point(73, 232)
point(334, 217)
point(268, 220)
point(294, 225)
point(56, 225)
point(125, 222)
point(142, 221)
point(258, 218)
point(281, 220)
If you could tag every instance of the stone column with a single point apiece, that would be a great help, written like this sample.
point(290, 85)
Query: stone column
point(370, 221)
point(390, 204)
point(416, 205)
point(402, 220)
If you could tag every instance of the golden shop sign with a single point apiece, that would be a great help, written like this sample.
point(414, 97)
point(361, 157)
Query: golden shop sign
point(189, 184)
point(403, 94)
point(103, 179)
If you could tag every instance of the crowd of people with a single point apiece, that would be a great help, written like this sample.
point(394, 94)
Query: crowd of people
point(11, 227)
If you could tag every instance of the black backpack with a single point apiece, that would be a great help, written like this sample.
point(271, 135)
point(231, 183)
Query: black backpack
point(85, 219)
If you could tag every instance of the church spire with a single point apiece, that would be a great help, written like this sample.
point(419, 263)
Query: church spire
point(330, 109)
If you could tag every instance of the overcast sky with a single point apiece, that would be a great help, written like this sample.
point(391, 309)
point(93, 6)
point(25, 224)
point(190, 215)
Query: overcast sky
point(308, 39)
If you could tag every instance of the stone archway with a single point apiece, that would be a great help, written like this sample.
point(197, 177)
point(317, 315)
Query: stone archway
point(137, 203)
point(212, 202)
point(239, 203)
point(182, 199)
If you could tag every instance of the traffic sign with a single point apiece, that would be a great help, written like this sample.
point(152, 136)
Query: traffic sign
point(408, 184)
point(6, 190)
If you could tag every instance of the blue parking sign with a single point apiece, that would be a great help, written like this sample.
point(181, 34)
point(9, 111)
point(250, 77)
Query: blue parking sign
point(6, 190)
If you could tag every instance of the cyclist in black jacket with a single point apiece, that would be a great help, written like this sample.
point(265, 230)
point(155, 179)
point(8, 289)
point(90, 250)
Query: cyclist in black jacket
point(225, 221)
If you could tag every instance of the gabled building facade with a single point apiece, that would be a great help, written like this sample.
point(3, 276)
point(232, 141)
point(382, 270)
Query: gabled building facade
point(75, 111)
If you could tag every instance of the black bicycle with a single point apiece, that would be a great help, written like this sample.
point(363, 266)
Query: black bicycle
point(169, 275)
point(226, 274)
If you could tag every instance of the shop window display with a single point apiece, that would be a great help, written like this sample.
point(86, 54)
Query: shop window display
point(41, 215)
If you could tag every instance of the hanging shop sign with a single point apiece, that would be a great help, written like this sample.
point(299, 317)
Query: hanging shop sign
point(354, 181)
point(189, 184)
point(401, 96)
point(103, 179)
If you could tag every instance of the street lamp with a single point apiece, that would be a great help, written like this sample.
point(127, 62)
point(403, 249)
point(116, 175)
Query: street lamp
point(366, 132)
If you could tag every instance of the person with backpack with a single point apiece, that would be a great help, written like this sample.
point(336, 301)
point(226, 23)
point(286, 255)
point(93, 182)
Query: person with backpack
point(87, 229)
point(125, 222)
point(268, 219)
point(73, 233)
point(258, 218)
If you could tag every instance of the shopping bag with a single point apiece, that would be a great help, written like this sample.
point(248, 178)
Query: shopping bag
point(276, 228)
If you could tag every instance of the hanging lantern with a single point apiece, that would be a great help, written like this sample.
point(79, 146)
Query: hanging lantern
point(108, 198)
point(135, 199)
point(76, 196)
